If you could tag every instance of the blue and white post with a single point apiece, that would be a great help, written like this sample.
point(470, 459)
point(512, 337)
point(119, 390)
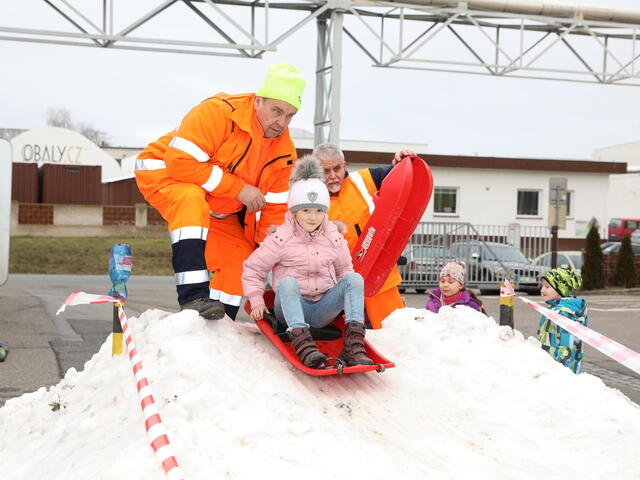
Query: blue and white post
point(120, 263)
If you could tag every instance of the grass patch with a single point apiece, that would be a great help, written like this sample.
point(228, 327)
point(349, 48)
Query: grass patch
point(86, 255)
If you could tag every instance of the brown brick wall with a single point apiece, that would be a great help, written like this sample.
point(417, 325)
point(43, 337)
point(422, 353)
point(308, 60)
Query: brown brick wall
point(572, 243)
point(118, 215)
point(35, 214)
point(610, 262)
point(154, 217)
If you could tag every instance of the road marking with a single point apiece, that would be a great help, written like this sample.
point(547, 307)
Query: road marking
point(593, 309)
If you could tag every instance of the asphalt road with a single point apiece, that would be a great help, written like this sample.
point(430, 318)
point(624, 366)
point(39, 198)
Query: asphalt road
point(44, 346)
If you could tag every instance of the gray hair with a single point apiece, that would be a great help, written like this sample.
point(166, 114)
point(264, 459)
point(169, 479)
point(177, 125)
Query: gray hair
point(328, 150)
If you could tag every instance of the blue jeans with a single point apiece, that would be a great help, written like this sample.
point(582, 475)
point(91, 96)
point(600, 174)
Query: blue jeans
point(298, 312)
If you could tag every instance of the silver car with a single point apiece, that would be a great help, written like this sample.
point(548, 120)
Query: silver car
point(422, 268)
point(490, 263)
point(569, 258)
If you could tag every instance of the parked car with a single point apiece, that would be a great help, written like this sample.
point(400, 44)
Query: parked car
point(569, 258)
point(423, 266)
point(614, 247)
point(489, 263)
point(622, 227)
point(635, 237)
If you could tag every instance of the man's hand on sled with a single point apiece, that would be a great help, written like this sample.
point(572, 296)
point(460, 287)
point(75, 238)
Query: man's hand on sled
point(400, 155)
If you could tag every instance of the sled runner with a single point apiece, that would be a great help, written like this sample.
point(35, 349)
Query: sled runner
point(399, 205)
point(328, 339)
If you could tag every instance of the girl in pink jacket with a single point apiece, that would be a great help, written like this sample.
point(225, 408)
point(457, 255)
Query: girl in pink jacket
point(312, 272)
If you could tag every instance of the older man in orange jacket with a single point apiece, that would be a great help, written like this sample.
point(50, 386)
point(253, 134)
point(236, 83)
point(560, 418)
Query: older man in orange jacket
point(220, 180)
point(352, 203)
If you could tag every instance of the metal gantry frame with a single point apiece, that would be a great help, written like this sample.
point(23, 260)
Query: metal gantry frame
point(459, 37)
point(328, 77)
point(532, 37)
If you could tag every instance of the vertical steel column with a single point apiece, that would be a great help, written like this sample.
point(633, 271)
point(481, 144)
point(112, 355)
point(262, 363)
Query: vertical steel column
point(328, 64)
point(322, 53)
point(337, 19)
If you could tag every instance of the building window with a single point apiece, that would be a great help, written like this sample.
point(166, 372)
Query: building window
point(528, 202)
point(445, 200)
point(569, 203)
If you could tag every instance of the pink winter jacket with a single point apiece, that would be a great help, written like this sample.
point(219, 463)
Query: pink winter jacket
point(317, 261)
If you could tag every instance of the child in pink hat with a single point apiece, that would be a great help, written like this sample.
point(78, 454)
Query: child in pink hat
point(452, 290)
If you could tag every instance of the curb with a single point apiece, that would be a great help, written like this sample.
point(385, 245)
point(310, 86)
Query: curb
point(621, 291)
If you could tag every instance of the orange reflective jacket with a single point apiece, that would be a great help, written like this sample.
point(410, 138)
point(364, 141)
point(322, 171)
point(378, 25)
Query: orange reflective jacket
point(220, 146)
point(354, 204)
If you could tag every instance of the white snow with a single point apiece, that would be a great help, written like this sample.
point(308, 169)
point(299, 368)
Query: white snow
point(467, 399)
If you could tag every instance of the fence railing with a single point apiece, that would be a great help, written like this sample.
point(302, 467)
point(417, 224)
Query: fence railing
point(491, 253)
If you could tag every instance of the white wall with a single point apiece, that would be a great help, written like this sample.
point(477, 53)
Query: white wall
point(489, 197)
point(627, 152)
point(77, 215)
point(624, 190)
point(624, 196)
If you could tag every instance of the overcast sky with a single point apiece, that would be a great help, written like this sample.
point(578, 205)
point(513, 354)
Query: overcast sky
point(137, 96)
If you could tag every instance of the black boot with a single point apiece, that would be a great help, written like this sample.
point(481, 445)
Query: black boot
point(353, 352)
point(206, 307)
point(306, 348)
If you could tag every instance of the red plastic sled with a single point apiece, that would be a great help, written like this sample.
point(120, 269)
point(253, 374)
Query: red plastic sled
point(331, 348)
point(399, 205)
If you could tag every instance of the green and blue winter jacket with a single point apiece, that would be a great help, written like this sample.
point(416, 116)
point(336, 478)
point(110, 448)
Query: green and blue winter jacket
point(562, 345)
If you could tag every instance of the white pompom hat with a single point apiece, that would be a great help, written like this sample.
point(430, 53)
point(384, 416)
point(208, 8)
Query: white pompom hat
point(308, 189)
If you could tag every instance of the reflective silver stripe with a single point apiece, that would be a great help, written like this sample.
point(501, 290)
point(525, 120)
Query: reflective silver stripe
point(358, 181)
point(149, 164)
point(195, 276)
point(279, 197)
point(190, 148)
point(258, 215)
point(188, 233)
point(225, 297)
point(214, 179)
point(219, 215)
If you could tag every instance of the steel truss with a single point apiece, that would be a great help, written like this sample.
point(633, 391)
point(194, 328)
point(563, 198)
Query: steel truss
point(506, 44)
point(416, 35)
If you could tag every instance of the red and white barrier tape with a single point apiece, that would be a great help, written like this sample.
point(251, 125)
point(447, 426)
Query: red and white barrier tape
point(81, 298)
point(506, 290)
point(610, 348)
point(156, 432)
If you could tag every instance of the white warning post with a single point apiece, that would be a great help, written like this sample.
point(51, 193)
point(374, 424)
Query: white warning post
point(5, 207)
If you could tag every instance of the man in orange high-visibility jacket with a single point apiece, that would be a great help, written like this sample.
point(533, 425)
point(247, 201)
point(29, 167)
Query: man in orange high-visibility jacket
point(352, 203)
point(220, 180)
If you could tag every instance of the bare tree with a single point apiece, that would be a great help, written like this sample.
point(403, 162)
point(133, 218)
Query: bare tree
point(61, 117)
point(99, 137)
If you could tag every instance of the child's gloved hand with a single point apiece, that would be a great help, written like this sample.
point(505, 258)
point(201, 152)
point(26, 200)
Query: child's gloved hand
point(257, 313)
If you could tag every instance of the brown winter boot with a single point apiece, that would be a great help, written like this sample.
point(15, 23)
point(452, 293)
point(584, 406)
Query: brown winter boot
point(306, 348)
point(353, 352)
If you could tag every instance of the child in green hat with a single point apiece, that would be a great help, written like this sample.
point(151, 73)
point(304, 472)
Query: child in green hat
point(556, 288)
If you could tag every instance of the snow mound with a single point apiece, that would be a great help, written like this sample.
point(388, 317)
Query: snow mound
point(467, 399)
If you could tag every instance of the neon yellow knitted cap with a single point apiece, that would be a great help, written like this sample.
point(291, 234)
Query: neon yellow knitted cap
point(284, 82)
